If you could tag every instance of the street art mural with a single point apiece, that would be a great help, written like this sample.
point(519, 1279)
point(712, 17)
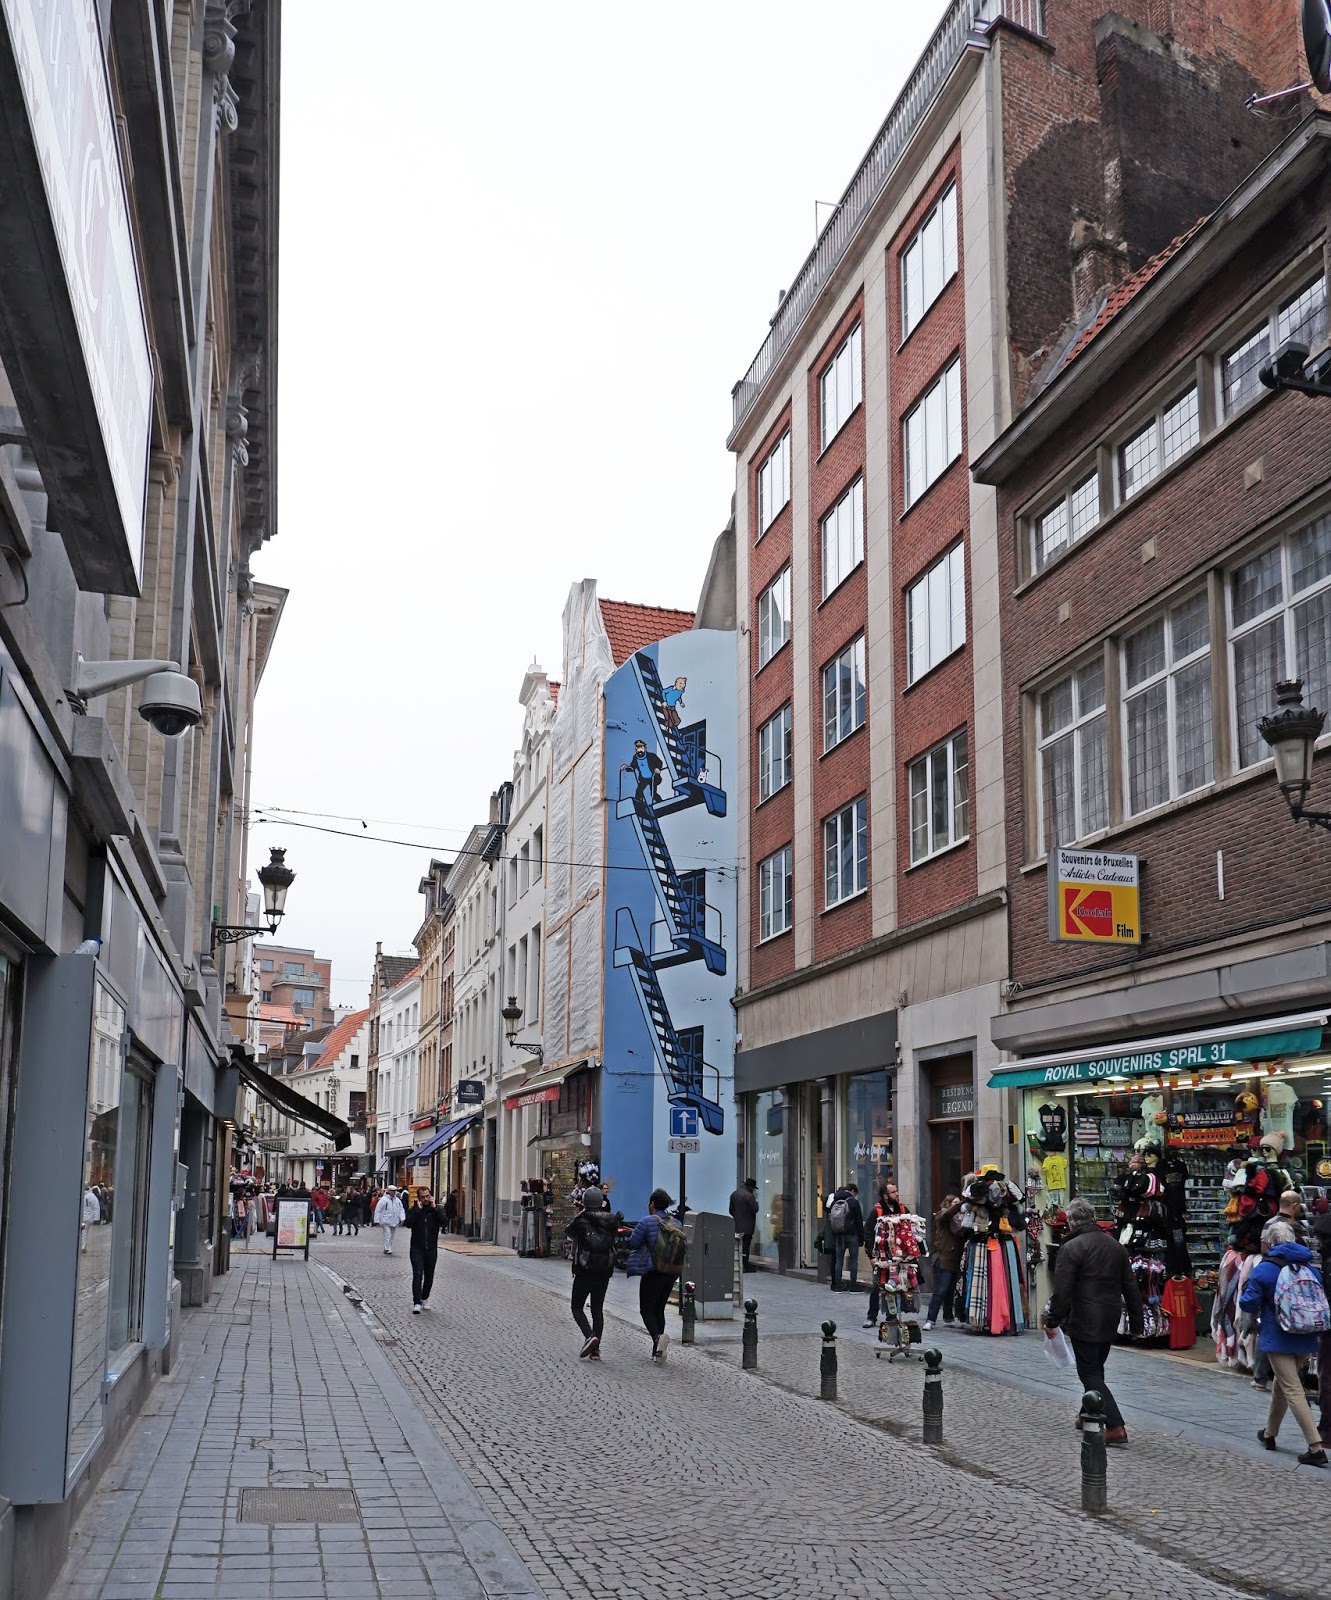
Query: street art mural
point(671, 901)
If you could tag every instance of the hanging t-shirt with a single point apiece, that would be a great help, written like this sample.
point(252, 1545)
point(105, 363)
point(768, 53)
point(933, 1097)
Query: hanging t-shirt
point(1053, 1127)
point(1279, 1114)
point(1179, 1302)
point(1054, 1170)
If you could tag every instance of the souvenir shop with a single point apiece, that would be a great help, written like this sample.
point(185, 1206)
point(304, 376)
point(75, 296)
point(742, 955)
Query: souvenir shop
point(1183, 1145)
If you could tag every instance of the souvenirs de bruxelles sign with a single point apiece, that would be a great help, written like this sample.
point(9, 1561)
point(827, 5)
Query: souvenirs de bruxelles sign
point(1094, 897)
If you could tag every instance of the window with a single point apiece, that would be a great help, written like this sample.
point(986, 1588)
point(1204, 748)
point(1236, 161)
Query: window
point(932, 432)
point(774, 617)
point(1168, 436)
point(1167, 706)
point(1302, 316)
point(512, 880)
point(266, 995)
point(843, 537)
point(524, 868)
point(929, 260)
point(774, 483)
point(294, 967)
point(776, 893)
point(1074, 787)
point(537, 853)
point(939, 799)
point(1071, 517)
point(533, 1005)
point(302, 997)
point(774, 754)
point(936, 613)
point(1280, 627)
point(265, 965)
point(843, 694)
point(840, 387)
point(846, 852)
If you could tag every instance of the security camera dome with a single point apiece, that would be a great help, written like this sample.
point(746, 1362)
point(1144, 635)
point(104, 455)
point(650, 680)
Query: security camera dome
point(171, 704)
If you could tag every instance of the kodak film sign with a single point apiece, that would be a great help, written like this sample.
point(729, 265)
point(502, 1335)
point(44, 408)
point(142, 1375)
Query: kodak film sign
point(1094, 897)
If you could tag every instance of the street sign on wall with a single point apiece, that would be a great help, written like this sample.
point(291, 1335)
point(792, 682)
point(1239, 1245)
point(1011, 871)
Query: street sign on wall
point(684, 1139)
point(1094, 897)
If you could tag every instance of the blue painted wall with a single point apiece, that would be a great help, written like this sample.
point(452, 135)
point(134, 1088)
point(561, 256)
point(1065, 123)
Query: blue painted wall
point(671, 904)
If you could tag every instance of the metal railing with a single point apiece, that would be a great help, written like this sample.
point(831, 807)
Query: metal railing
point(963, 19)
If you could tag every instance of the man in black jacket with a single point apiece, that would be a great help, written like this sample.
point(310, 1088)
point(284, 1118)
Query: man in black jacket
point(845, 1227)
point(424, 1221)
point(1092, 1282)
point(593, 1232)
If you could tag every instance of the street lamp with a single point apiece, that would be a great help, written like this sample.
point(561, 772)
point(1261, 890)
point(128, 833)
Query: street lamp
point(1292, 732)
point(276, 878)
point(1288, 369)
point(512, 1015)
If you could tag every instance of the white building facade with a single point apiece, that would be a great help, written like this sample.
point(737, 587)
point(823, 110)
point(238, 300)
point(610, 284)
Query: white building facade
point(333, 1077)
point(399, 1030)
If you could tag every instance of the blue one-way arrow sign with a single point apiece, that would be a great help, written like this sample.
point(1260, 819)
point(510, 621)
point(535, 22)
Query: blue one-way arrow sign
point(683, 1122)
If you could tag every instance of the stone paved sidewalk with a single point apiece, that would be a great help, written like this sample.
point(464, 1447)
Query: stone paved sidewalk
point(278, 1385)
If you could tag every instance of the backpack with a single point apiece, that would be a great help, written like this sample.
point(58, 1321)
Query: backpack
point(1300, 1301)
point(595, 1250)
point(669, 1249)
point(838, 1215)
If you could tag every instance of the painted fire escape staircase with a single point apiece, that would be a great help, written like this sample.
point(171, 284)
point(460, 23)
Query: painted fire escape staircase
point(686, 759)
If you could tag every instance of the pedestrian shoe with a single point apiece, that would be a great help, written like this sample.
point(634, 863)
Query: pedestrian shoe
point(869, 1323)
point(1264, 1387)
point(1116, 1436)
point(663, 1345)
point(1315, 1458)
point(1266, 1438)
point(928, 1327)
point(416, 1309)
point(588, 1345)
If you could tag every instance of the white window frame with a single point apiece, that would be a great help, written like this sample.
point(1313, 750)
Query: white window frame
point(934, 244)
point(1270, 331)
point(774, 483)
point(842, 537)
point(774, 754)
point(1072, 517)
point(774, 604)
point(936, 613)
point(1168, 674)
point(931, 432)
point(854, 816)
point(922, 782)
point(1076, 729)
point(1165, 446)
point(776, 915)
point(1284, 609)
point(851, 657)
point(840, 387)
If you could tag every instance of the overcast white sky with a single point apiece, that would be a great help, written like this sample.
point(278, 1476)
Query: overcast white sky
point(526, 251)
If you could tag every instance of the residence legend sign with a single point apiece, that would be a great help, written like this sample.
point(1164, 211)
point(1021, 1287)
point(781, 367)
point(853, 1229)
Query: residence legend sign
point(1094, 897)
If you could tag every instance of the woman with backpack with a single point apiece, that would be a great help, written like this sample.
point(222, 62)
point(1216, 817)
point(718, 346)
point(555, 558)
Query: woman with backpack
point(1286, 1292)
point(656, 1255)
point(592, 1232)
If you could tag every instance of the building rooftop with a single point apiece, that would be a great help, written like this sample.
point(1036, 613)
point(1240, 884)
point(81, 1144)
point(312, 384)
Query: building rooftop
point(340, 1037)
point(396, 969)
point(632, 628)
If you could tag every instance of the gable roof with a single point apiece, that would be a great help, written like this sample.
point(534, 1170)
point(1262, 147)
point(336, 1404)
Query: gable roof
point(632, 627)
point(394, 969)
point(341, 1037)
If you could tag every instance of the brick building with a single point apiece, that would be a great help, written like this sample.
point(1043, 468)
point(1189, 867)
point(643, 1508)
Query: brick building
point(1165, 549)
point(1019, 178)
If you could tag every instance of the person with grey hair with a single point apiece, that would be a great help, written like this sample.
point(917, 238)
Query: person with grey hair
point(1285, 1347)
point(1093, 1281)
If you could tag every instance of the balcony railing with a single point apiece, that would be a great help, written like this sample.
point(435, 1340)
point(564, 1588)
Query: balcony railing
point(963, 20)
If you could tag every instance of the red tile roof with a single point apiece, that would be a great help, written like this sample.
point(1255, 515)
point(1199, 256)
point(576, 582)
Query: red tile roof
point(340, 1037)
point(632, 628)
point(1124, 293)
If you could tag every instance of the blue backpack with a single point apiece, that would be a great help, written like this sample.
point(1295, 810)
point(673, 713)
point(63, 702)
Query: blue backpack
point(1300, 1302)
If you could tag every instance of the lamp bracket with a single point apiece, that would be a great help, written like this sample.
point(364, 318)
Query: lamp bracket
point(233, 933)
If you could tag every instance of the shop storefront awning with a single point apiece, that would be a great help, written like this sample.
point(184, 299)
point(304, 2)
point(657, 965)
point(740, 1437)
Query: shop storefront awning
point(1177, 1053)
point(542, 1086)
point(440, 1140)
point(286, 1100)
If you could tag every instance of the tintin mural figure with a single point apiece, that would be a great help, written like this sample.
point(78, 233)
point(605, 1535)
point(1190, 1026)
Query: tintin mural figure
point(674, 699)
point(646, 767)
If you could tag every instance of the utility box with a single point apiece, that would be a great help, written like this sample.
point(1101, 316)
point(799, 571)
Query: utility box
point(710, 1264)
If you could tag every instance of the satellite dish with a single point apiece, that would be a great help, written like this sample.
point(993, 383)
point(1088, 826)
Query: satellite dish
point(1317, 42)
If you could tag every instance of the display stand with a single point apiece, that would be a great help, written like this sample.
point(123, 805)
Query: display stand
point(899, 1333)
point(292, 1231)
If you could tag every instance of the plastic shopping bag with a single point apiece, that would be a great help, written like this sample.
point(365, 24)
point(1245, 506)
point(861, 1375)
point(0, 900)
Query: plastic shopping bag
point(1059, 1351)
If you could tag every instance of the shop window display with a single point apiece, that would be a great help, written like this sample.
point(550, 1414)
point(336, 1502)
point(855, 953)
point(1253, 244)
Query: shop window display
point(767, 1141)
point(869, 1131)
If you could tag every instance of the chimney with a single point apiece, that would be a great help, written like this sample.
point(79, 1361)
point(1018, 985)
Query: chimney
point(1097, 264)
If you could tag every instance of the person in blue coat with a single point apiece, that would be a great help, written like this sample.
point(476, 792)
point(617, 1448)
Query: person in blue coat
point(654, 1287)
point(1284, 1350)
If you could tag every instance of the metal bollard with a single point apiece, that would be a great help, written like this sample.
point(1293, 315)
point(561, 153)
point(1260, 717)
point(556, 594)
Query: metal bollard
point(933, 1397)
point(688, 1314)
point(749, 1362)
point(828, 1363)
point(1094, 1476)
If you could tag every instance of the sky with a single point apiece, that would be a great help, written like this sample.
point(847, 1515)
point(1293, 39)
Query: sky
point(525, 253)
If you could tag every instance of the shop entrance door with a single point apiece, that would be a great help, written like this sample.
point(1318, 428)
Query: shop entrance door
point(812, 1178)
point(953, 1157)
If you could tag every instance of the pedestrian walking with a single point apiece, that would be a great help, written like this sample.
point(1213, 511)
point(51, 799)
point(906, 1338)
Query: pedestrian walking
point(319, 1200)
point(389, 1216)
point(336, 1210)
point(353, 1207)
point(656, 1262)
point(593, 1233)
point(92, 1213)
point(1093, 1281)
point(1284, 1305)
point(450, 1210)
point(945, 1262)
point(888, 1205)
point(744, 1211)
point(845, 1229)
point(424, 1221)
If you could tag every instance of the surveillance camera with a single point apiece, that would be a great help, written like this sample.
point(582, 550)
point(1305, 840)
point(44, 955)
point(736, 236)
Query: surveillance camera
point(171, 704)
point(1288, 362)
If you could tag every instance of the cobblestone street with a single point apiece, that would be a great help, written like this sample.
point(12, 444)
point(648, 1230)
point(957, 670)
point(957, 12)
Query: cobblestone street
point(714, 1482)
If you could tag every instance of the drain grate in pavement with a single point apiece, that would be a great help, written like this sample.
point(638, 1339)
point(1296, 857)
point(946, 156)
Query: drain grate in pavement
point(298, 1505)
